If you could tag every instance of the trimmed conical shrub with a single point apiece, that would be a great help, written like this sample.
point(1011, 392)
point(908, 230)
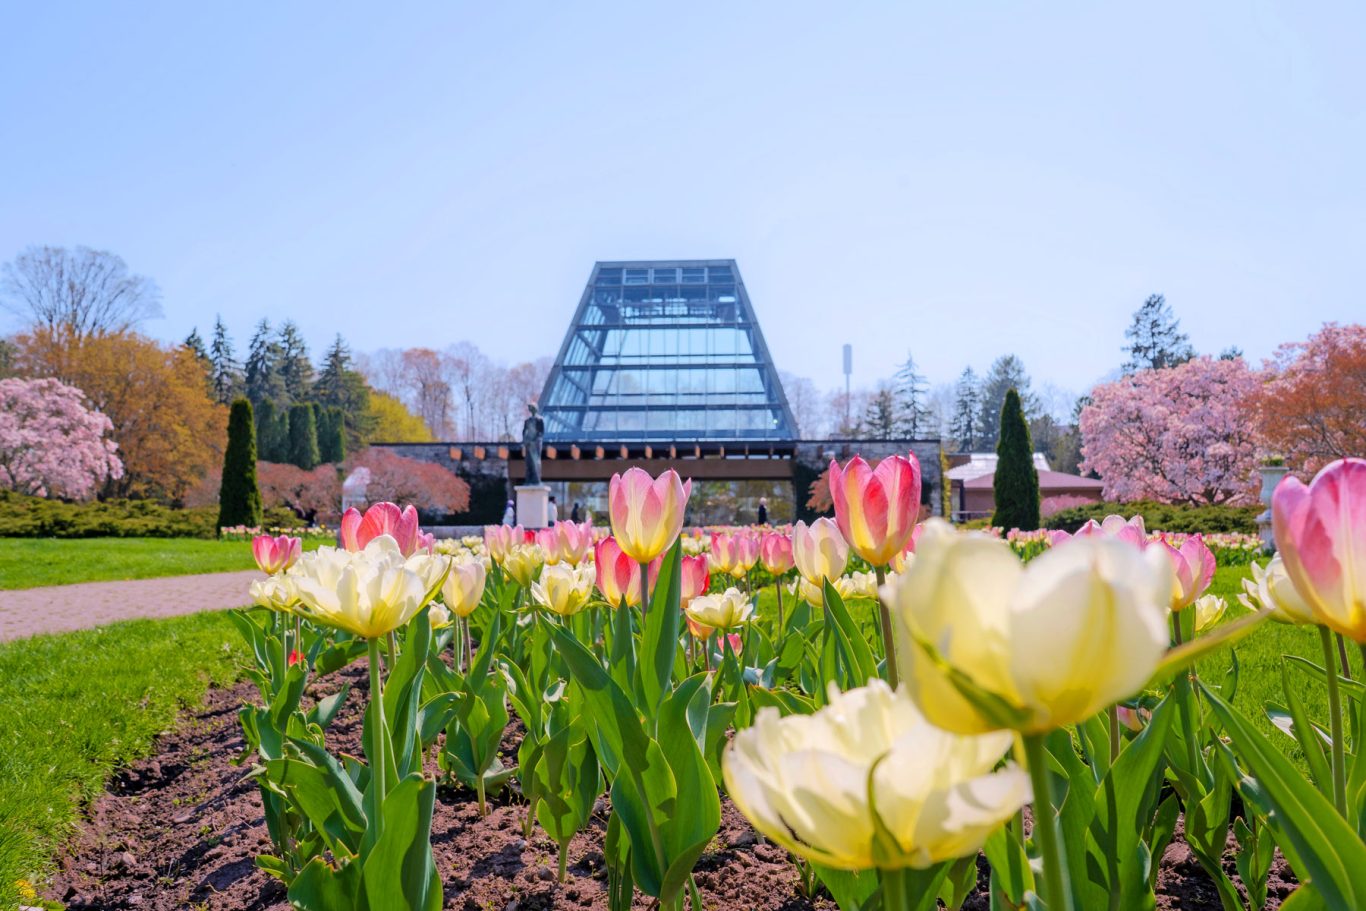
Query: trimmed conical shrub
point(1016, 484)
point(239, 497)
point(331, 436)
point(303, 437)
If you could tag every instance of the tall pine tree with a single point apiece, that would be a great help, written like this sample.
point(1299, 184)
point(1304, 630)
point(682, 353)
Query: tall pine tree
point(1016, 485)
point(263, 380)
point(913, 413)
point(879, 418)
point(331, 436)
point(227, 379)
point(194, 342)
point(272, 433)
point(340, 386)
point(1007, 372)
point(1155, 338)
point(966, 412)
point(296, 370)
point(239, 497)
point(303, 437)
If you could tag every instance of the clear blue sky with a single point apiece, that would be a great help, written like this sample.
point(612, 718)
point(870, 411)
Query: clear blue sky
point(960, 180)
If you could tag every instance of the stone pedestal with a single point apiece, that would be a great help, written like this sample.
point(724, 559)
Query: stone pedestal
point(1271, 476)
point(533, 505)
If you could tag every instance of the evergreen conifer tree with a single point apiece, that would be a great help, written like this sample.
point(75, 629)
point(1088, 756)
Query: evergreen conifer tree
point(331, 436)
point(913, 414)
point(1007, 372)
point(272, 434)
point(239, 497)
point(1016, 485)
point(263, 379)
point(303, 437)
point(296, 370)
point(195, 342)
point(964, 424)
point(340, 386)
point(1155, 338)
point(227, 378)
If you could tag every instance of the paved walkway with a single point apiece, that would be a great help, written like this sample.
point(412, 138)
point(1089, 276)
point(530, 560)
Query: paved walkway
point(61, 608)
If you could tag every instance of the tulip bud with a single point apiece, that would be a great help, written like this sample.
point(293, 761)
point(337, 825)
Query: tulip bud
point(647, 513)
point(775, 552)
point(275, 555)
point(876, 508)
point(819, 550)
point(381, 519)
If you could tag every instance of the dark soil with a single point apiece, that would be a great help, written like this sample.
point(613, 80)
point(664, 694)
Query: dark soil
point(181, 831)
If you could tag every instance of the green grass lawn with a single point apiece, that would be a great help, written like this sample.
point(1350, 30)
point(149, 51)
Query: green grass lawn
point(74, 707)
point(30, 562)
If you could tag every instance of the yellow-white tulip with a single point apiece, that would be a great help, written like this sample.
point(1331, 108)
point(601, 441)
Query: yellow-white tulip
point(1080, 628)
point(438, 616)
point(522, 562)
point(723, 611)
point(1270, 586)
point(1208, 611)
point(563, 588)
point(819, 784)
point(370, 592)
point(278, 592)
point(464, 586)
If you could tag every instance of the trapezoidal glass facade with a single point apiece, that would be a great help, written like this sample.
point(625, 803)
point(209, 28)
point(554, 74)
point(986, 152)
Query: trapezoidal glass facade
point(665, 351)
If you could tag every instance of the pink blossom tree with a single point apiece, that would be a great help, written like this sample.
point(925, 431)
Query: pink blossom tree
point(1175, 435)
point(51, 444)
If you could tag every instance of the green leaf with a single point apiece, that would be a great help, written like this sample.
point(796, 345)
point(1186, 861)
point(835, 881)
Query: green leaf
point(1183, 656)
point(319, 887)
point(1330, 853)
point(850, 639)
point(662, 627)
point(398, 874)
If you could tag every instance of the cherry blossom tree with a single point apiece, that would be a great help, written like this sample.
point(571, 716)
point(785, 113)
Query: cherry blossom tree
point(51, 444)
point(1175, 435)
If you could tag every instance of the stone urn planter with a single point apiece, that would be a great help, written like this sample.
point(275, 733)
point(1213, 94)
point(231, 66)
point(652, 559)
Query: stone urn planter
point(1271, 476)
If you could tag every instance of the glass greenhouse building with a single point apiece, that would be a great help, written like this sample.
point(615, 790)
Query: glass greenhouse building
point(666, 350)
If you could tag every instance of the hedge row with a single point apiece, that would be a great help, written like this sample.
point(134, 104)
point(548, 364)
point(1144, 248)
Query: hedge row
point(1164, 517)
point(36, 517)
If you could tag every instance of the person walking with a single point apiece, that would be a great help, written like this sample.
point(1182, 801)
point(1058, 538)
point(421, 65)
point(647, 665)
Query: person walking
point(575, 512)
point(510, 514)
point(763, 510)
point(552, 512)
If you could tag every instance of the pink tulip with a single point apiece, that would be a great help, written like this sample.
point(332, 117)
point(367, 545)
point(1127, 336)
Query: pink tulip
point(734, 553)
point(775, 551)
point(1194, 565)
point(1130, 530)
point(695, 580)
point(566, 542)
point(1320, 531)
point(647, 513)
point(381, 519)
point(876, 508)
point(275, 555)
point(737, 643)
point(618, 576)
point(498, 538)
point(697, 630)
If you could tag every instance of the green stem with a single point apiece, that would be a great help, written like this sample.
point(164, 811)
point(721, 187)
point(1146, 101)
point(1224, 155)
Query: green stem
point(1047, 833)
point(644, 589)
point(393, 650)
point(1335, 716)
point(380, 761)
point(1185, 699)
point(888, 641)
point(1113, 713)
point(896, 894)
point(564, 860)
point(479, 789)
point(1176, 628)
point(1342, 656)
point(778, 588)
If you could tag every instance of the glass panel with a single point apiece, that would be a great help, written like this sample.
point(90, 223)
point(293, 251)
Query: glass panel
point(609, 276)
point(694, 275)
point(666, 276)
point(637, 276)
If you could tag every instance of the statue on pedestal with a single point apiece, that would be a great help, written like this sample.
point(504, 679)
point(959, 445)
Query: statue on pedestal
point(533, 432)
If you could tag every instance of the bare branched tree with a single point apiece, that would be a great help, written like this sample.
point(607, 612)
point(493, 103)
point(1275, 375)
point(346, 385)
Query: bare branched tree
point(78, 292)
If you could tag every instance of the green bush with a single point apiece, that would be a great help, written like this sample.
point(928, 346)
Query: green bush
point(239, 496)
point(1164, 517)
point(303, 437)
point(35, 517)
point(1016, 486)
